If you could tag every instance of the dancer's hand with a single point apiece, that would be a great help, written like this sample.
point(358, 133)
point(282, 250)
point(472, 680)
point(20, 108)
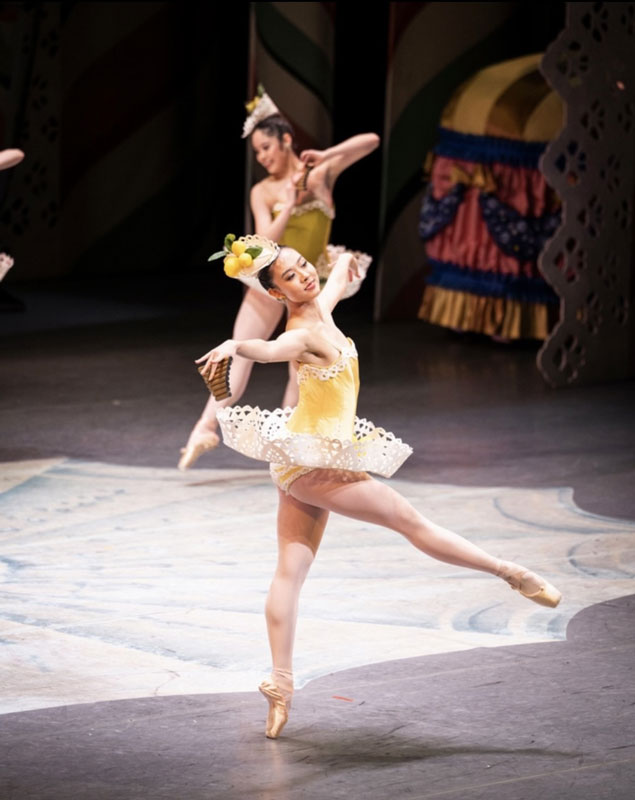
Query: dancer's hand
point(348, 262)
point(6, 262)
point(344, 271)
point(10, 157)
point(211, 358)
point(353, 267)
point(313, 157)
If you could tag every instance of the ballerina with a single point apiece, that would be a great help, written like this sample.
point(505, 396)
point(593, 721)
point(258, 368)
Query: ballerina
point(320, 453)
point(293, 205)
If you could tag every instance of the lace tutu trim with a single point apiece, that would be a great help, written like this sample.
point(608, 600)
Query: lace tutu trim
point(334, 251)
point(263, 435)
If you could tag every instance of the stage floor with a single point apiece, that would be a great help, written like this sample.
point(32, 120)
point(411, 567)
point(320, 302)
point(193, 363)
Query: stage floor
point(131, 630)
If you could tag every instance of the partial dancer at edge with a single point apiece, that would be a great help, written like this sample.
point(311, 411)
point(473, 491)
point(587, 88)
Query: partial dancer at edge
point(9, 158)
point(293, 205)
point(320, 453)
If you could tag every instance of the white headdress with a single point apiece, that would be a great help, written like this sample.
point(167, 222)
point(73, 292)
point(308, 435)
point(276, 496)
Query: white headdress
point(246, 256)
point(261, 107)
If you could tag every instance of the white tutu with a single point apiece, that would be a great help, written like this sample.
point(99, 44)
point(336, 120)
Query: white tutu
point(263, 435)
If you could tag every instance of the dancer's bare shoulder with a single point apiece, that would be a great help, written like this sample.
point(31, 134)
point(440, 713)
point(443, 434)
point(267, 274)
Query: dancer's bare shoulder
point(266, 191)
point(323, 341)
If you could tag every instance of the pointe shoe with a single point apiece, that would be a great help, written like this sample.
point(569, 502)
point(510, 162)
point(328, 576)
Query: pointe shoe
point(196, 447)
point(278, 709)
point(530, 585)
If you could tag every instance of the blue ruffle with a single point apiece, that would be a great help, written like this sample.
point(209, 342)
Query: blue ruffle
point(489, 284)
point(436, 214)
point(516, 235)
point(488, 149)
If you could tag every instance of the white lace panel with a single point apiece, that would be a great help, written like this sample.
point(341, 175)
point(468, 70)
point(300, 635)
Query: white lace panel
point(326, 373)
point(326, 262)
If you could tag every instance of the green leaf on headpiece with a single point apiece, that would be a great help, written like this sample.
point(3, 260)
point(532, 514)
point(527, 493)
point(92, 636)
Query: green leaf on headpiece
point(217, 254)
point(229, 240)
point(260, 90)
point(254, 252)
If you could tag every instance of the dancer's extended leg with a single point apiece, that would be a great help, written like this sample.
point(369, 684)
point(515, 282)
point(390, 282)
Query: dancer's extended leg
point(361, 497)
point(257, 318)
point(366, 499)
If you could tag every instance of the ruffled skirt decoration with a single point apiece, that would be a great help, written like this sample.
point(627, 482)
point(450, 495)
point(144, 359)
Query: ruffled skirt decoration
point(334, 251)
point(483, 239)
point(263, 435)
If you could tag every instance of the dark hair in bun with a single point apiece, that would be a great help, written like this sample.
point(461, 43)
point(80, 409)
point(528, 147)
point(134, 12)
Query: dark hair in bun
point(275, 125)
point(264, 276)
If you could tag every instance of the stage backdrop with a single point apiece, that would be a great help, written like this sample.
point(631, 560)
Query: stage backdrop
point(291, 55)
point(130, 117)
point(590, 260)
point(433, 48)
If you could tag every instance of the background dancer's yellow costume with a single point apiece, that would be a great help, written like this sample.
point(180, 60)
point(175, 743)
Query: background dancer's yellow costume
point(322, 432)
point(308, 230)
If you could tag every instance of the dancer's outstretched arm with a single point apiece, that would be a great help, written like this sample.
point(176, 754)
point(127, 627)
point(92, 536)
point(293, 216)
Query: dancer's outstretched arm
point(257, 318)
point(342, 155)
point(289, 346)
point(264, 224)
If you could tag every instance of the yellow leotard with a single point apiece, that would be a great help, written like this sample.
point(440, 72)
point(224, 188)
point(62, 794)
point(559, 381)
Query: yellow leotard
point(322, 432)
point(308, 230)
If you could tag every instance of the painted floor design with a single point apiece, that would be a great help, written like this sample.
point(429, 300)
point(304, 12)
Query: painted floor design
point(120, 582)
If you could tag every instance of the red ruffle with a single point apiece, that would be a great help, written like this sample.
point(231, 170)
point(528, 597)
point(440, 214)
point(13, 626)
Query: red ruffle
point(466, 241)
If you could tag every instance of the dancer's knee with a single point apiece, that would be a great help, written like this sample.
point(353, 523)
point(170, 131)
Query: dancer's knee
point(293, 571)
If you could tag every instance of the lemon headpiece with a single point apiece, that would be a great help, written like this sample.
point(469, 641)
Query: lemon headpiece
point(261, 107)
point(246, 256)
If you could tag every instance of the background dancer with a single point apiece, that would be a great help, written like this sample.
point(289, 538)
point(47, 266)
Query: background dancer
point(293, 205)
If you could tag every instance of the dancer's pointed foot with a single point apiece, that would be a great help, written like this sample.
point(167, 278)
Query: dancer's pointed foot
point(278, 690)
point(196, 446)
point(278, 709)
point(530, 585)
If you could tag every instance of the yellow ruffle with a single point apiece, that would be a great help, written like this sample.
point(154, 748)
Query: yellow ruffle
point(493, 316)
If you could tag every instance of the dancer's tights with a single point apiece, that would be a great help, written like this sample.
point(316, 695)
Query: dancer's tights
point(302, 518)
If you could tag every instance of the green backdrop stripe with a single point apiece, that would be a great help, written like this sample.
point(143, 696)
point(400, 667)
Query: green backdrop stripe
point(295, 52)
point(415, 131)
